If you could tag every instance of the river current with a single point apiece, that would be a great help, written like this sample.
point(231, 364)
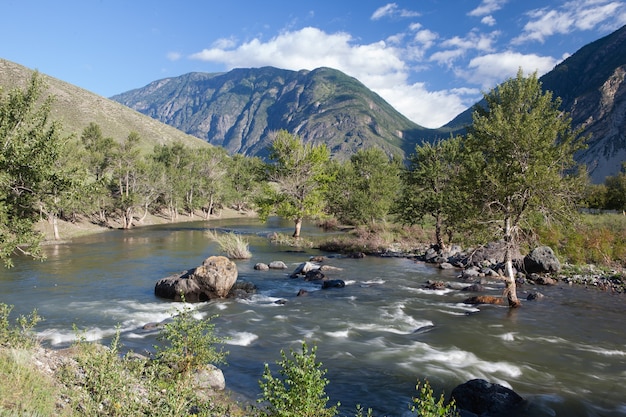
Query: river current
point(378, 336)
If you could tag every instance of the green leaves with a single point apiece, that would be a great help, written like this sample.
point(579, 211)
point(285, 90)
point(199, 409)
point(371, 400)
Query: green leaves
point(299, 391)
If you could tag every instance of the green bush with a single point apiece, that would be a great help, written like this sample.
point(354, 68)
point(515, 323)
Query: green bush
point(21, 334)
point(299, 391)
point(426, 405)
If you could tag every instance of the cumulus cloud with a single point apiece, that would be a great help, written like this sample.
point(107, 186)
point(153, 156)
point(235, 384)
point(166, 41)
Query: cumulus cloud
point(381, 66)
point(572, 16)
point(491, 69)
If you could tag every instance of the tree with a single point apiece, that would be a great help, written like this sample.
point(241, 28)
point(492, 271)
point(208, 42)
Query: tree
point(127, 171)
point(29, 150)
point(432, 187)
point(370, 182)
point(298, 177)
point(526, 165)
point(616, 190)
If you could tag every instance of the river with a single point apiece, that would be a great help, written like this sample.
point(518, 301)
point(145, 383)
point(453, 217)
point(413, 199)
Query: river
point(565, 354)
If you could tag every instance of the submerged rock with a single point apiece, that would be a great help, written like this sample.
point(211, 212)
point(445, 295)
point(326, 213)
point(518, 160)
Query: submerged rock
point(485, 399)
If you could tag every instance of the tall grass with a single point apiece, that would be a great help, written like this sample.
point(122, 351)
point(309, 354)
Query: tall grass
point(233, 245)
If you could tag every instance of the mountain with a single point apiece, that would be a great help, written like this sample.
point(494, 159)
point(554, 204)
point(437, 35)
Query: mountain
point(591, 86)
point(240, 110)
point(76, 108)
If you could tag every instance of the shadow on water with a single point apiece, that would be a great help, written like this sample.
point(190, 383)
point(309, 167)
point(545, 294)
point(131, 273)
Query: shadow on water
point(377, 336)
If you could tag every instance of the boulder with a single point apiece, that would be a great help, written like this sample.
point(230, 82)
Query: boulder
point(541, 260)
point(303, 268)
point(490, 254)
point(315, 275)
point(261, 267)
point(485, 299)
point(213, 279)
point(217, 274)
point(277, 265)
point(209, 378)
point(333, 283)
point(486, 399)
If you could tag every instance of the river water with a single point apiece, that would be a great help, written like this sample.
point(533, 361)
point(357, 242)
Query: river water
point(565, 354)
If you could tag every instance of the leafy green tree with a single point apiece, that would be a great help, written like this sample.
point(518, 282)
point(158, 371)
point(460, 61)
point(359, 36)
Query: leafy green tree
point(243, 177)
point(616, 190)
point(30, 144)
point(298, 175)
point(299, 391)
point(432, 187)
point(367, 186)
point(427, 405)
point(526, 166)
point(128, 168)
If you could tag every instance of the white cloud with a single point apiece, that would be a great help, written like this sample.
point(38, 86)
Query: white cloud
point(381, 66)
point(173, 56)
point(491, 69)
point(487, 7)
point(391, 10)
point(572, 16)
point(488, 20)
point(384, 11)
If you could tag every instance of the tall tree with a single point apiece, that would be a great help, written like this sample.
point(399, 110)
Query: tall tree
point(616, 190)
point(128, 167)
point(30, 145)
point(298, 176)
point(526, 146)
point(369, 184)
point(432, 187)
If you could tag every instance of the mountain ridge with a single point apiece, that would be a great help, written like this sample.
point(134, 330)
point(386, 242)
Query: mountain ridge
point(241, 108)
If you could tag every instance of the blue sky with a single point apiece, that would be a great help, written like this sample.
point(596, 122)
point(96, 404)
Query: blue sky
point(430, 59)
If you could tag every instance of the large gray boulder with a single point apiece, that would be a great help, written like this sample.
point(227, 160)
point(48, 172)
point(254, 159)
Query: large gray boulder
point(541, 260)
point(213, 279)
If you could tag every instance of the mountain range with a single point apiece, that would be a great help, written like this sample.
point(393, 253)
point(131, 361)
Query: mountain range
point(241, 109)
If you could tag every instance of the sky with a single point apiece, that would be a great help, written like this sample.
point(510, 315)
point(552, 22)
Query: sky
point(430, 59)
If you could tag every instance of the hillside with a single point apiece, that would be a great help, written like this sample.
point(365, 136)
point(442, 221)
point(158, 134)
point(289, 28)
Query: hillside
point(592, 88)
point(240, 109)
point(76, 108)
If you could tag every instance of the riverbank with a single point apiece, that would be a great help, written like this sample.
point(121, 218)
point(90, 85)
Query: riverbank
point(83, 227)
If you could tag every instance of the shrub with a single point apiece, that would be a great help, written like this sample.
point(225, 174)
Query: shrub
point(21, 334)
point(189, 343)
point(426, 405)
point(300, 389)
point(233, 245)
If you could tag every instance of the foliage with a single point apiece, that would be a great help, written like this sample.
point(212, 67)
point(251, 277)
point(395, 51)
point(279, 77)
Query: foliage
point(369, 183)
point(234, 245)
point(616, 190)
point(20, 334)
point(597, 239)
point(525, 147)
point(30, 149)
point(432, 187)
point(189, 343)
point(299, 391)
point(297, 172)
point(426, 405)
point(105, 383)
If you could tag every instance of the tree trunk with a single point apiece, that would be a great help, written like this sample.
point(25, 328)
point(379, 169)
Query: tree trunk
point(438, 233)
point(55, 226)
point(298, 223)
point(511, 288)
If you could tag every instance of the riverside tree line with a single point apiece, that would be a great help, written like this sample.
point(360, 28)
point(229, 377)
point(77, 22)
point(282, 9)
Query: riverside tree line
point(513, 172)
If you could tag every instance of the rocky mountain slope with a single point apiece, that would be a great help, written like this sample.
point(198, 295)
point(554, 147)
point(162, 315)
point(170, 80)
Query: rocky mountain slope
point(240, 110)
point(592, 88)
point(76, 108)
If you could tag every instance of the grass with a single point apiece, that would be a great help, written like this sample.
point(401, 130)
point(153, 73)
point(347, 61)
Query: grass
point(233, 245)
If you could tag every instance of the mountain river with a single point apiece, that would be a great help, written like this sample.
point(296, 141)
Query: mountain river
point(565, 354)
